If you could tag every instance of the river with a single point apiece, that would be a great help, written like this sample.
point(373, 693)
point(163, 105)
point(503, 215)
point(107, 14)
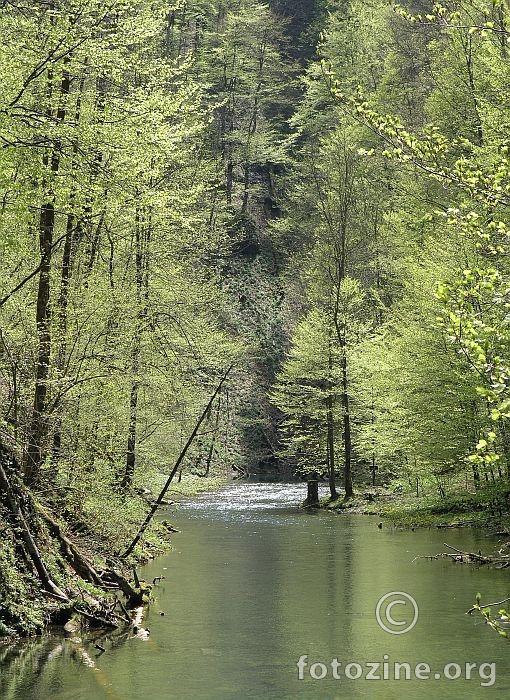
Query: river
point(254, 584)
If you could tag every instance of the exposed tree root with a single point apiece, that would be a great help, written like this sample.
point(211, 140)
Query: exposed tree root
point(70, 551)
point(25, 514)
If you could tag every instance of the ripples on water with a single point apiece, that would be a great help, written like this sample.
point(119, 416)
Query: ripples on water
point(250, 500)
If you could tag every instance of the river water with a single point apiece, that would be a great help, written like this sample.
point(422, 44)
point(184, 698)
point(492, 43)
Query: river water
point(254, 584)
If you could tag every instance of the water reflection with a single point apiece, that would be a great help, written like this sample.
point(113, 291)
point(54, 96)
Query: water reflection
point(254, 583)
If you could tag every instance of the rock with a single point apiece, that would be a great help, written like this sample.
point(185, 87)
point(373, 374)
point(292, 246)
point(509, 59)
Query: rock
point(72, 626)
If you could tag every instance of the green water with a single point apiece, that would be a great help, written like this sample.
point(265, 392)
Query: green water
point(253, 584)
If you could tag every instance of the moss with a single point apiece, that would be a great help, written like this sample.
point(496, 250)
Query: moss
point(21, 606)
point(487, 508)
point(100, 522)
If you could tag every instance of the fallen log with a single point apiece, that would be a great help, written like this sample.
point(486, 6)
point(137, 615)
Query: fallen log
point(135, 597)
point(29, 543)
point(70, 551)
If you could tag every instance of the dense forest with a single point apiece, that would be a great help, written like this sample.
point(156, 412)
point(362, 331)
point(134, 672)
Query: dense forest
point(315, 192)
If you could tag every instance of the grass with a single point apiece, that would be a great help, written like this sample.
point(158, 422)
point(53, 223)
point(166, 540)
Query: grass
point(190, 486)
point(487, 508)
point(101, 522)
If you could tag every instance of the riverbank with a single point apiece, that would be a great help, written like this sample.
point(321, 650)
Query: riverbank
point(191, 485)
point(107, 525)
point(487, 508)
point(80, 550)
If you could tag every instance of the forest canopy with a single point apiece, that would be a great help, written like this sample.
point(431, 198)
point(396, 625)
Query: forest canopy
point(314, 192)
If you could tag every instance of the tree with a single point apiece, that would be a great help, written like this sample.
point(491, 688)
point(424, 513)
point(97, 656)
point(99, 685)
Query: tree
point(306, 392)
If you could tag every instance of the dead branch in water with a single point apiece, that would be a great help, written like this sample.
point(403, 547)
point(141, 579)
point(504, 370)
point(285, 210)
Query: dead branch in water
point(468, 557)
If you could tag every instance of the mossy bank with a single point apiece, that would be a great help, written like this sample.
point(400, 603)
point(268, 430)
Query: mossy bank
point(486, 508)
point(96, 527)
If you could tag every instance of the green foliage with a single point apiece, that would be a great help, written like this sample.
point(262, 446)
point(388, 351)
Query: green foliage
point(309, 377)
point(115, 236)
point(499, 622)
point(172, 196)
point(422, 168)
point(132, 297)
point(21, 610)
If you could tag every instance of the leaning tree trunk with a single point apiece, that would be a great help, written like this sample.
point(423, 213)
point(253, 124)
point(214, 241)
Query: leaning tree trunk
point(30, 546)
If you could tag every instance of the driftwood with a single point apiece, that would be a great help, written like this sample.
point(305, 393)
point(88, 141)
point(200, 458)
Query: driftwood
point(469, 557)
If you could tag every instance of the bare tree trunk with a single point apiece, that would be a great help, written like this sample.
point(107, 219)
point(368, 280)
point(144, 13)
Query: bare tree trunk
point(38, 425)
point(347, 429)
point(331, 433)
point(141, 274)
point(129, 471)
point(340, 326)
point(38, 429)
point(344, 398)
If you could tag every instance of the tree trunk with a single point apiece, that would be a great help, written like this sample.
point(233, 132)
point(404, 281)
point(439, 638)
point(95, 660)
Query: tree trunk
point(347, 429)
point(38, 425)
point(344, 399)
point(129, 471)
point(331, 434)
point(38, 429)
point(141, 274)
point(340, 250)
point(312, 497)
